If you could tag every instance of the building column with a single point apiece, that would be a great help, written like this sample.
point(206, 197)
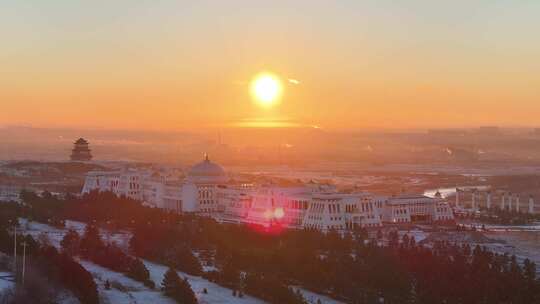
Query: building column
point(488, 200)
point(517, 203)
point(473, 200)
point(531, 204)
point(457, 197)
point(509, 201)
point(503, 197)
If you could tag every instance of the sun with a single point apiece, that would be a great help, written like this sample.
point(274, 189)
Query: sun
point(266, 89)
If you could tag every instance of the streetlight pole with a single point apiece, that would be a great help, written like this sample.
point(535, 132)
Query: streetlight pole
point(15, 249)
point(24, 261)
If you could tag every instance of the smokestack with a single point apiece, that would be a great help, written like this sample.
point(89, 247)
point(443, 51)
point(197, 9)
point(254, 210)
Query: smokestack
point(473, 200)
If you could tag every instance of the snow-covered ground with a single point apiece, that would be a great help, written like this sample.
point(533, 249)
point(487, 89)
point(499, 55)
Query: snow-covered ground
point(447, 192)
point(216, 294)
point(126, 290)
point(312, 297)
point(522, 244)
point(418, 235)
point(6, 281)
point(123, 289)
point(131, 291)
point(36, 230)
point(55, 235)
point(523, 241)
point(534, 227)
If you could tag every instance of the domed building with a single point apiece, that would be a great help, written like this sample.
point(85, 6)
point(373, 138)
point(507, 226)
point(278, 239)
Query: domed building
point(207, 172)
point(199, 192)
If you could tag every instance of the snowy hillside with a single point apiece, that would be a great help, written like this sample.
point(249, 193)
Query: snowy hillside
point(125, 290)
point(216, 294)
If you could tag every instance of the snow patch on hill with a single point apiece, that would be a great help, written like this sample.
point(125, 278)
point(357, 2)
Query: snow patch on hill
point(127, 290)
point(6, 281)
point(123, 289)
point(313, 298)
point(216, 294)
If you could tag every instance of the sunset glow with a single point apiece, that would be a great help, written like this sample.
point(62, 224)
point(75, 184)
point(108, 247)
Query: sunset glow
point(272, 151)
point(362, 64)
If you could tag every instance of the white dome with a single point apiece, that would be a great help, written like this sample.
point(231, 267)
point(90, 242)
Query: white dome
point(206, 168)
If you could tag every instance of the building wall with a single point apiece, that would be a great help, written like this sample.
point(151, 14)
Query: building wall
point(312, 207)
point(416, 209)
point(10, 193)
point(190, 195)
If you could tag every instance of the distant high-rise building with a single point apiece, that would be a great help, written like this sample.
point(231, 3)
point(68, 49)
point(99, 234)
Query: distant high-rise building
point(80, 151)
point(489, 130)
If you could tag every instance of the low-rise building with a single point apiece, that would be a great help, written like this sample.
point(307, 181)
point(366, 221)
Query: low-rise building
point(10, 193)
point(416, 209)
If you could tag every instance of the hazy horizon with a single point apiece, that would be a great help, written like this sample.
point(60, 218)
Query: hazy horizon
point(279, 146)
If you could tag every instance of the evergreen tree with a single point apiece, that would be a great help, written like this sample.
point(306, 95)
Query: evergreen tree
point(186, 292)
point(170, 284)
point(31, 244)
point(70, 243)
point(412, 242)
point(138, 271)
point(184, 260)
point(91, 242)
point(529, 270)
point(393, 239)
point(43, 239)
point(177, 288)
point(405, 240)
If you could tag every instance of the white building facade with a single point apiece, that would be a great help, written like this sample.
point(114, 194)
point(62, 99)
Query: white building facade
point(416, 209)
point(10, 193)
point(207, 190)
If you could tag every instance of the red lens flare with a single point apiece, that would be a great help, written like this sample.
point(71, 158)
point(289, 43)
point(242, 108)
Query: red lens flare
point(275, 221)
point(279, 213)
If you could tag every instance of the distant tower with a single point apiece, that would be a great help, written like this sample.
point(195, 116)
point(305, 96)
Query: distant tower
point(80, 151)
point(473, 200)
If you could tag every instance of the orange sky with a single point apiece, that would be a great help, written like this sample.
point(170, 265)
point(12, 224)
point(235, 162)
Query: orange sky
point(182, 66)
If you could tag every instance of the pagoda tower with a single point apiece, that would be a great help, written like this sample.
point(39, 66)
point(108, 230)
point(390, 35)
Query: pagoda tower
point(80, 151)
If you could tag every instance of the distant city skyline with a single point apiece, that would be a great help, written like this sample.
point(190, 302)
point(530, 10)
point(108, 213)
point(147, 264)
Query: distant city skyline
point(175, 65)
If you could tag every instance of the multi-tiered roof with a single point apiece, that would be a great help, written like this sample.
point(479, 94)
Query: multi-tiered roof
point(80, 151)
